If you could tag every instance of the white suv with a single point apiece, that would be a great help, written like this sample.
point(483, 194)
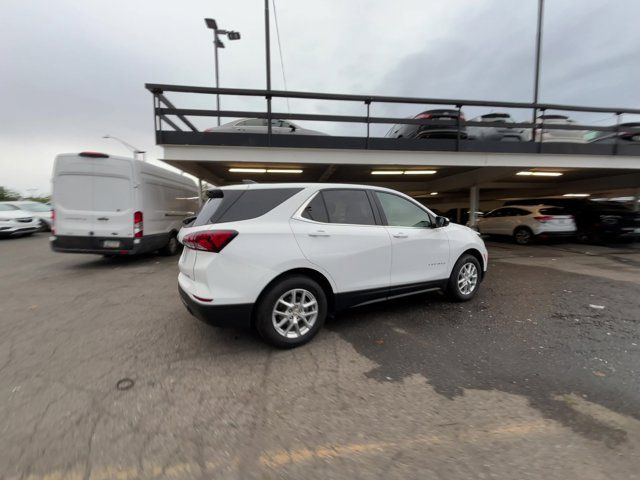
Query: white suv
point(524, 222)
point(281, 257)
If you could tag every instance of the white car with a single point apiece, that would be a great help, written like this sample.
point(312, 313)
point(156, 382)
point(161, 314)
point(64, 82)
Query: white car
point(525, 222)
point(548, 135)
point(281, 257)
point(259, 125)
point(42, 211)
point(15, 222)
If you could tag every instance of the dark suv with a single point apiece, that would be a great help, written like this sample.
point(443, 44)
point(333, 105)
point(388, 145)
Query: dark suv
point(443, 124)
point(595, 221)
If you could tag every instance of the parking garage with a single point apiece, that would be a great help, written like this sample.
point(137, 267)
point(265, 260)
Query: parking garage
point(451, 172)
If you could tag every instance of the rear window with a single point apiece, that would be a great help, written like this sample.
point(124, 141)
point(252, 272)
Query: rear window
point(237, 205)
point(316, 210)
point(349, 207)
point(553, 211)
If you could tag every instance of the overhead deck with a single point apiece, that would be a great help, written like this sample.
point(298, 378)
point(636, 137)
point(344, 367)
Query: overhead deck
point(459, 163)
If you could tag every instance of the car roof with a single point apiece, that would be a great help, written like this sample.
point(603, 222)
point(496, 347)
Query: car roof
point(305, 185)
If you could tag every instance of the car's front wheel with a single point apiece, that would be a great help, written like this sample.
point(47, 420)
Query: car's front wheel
point(465, 279)
point(291, 312)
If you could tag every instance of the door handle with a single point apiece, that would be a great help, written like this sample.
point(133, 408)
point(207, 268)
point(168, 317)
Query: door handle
point(103, 219)
point(319, 233)
point(400, 235)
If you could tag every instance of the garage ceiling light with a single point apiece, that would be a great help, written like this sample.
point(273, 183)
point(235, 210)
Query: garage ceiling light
point(419, 172)
point(403, 172)
point(540, 174)
point(433, 193)
point(284, 170)
point(576, 195)
point(248, 170)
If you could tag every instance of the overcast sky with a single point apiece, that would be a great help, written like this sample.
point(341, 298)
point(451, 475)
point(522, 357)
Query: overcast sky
point(75, 70)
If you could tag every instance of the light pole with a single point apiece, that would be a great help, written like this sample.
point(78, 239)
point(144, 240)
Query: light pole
point(135, 150)
point(536, 80)
point(217, 43)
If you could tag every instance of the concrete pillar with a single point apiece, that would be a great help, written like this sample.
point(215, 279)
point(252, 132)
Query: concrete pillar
point(636, 201)
point(474, 205)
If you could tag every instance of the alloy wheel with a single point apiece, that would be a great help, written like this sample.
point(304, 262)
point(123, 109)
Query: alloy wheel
point(467, 278)
point(295, 313)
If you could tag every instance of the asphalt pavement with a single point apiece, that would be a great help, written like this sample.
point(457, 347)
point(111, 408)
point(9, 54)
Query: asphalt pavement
point(104, 375)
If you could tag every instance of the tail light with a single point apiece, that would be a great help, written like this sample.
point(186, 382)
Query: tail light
point(210, 241)
point(53, 221)
point(138, 225)
point(424, 115)
point(543, 218)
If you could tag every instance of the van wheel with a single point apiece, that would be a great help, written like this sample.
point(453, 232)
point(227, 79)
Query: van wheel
point(465, 279)
point(171, 248)
point(291, 312)
point(523, 236)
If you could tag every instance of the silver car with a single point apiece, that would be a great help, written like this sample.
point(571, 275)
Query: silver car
point(41, 211)
point(15, 222)
point(496, 134)
point(259, 125)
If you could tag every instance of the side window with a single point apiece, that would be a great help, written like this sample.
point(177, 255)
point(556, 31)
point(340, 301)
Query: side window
point(348, 206)
point(252, 122)
point(316, 210)
point(401, 212)
point(498, 213)
point(520, 212)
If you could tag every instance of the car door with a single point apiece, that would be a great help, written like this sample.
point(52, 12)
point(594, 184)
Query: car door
point(337, 231)
point(419, 252)
point(491, 223)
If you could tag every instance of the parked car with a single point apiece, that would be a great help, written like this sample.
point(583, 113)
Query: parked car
point(460, 215)
point(629, 133)
point(15, 222)
point(39, 210)
point(259, 125)
point(525, 223)
point(595, 221)
point(118, 206)
point(496, 134)
point(446, 128)
point(281, 257)
point(557, 135)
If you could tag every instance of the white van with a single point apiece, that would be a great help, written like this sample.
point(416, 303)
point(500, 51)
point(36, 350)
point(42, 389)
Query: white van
point(118, 206)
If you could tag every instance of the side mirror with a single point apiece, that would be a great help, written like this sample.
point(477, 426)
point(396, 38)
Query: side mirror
point(441, 221)
point(188, 220)
point(293, 128)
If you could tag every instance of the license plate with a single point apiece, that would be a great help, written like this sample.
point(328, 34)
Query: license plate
point(111, 244)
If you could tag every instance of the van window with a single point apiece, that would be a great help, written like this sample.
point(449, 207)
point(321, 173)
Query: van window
point(74, 192)
point(237, 205)
point(111, 194)
point(349, 206)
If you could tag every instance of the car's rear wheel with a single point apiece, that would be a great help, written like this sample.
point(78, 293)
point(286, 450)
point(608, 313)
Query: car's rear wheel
point(291, 312)
point(465, 279)
point(523, 236)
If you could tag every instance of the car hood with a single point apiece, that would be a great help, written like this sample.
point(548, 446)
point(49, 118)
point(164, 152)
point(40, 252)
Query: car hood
point(15, 214)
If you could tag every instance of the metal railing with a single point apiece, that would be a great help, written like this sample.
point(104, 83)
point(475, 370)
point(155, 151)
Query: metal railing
point(166, 113)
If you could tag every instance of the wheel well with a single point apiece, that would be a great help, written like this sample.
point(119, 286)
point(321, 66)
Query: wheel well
point(478, 256)
point(307, 272)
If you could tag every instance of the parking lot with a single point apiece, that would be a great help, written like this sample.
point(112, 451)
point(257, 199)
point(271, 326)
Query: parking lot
point(105, 375)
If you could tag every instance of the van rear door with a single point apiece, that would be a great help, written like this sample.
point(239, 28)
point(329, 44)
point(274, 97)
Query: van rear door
point(94, 197)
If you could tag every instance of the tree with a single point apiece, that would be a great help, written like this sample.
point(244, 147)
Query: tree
point(8, 195)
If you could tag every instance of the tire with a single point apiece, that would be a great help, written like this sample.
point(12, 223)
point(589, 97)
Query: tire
point(467, 267)
point(523, 235)
point(299, 331)
point(171, 248)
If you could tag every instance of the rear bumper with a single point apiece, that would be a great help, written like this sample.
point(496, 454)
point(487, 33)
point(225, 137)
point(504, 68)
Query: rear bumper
point(71, 244)
point(17, 231)
point(234, 315)
point(556, 234)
